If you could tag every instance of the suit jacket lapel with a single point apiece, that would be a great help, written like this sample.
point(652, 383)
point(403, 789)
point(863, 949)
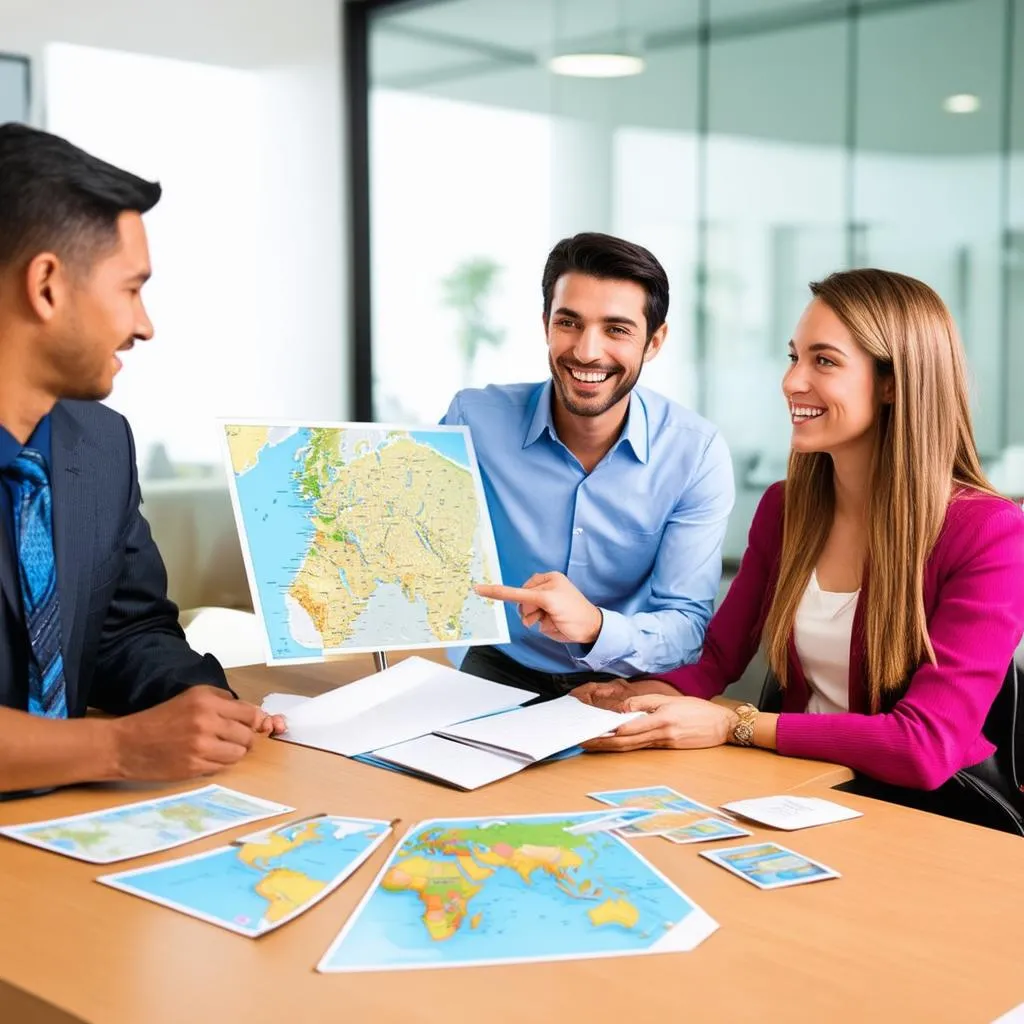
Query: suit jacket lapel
point(9, 571)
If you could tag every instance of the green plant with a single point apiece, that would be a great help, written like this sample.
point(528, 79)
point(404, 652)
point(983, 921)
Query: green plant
point(467, 290)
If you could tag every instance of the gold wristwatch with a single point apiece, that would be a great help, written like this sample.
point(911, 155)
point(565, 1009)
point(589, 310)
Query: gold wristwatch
point(743, 730)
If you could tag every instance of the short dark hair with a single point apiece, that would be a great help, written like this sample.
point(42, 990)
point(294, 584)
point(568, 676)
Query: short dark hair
point(612, 258)
point(56, 197)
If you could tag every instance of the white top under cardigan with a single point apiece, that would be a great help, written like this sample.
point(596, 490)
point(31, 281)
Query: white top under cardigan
point(822, 633)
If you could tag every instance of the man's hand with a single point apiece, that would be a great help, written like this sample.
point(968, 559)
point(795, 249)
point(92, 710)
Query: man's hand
point(550, 600)
point(614, 694)
point(198, 732)
point(677, 722)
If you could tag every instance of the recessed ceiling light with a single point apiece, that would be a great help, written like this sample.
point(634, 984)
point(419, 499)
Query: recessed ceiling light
point(961, 103)
point(596, 65)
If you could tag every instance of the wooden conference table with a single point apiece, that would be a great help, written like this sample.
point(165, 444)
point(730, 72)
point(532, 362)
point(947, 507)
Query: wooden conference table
point(927, 922)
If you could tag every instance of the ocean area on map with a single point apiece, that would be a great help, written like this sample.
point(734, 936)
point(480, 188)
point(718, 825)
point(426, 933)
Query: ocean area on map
point(450, 443)
point(279, 527)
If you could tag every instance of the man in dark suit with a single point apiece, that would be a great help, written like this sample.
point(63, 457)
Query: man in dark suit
point(83, 591)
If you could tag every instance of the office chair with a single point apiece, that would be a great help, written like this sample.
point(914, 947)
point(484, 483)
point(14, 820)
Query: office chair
point(989, 794)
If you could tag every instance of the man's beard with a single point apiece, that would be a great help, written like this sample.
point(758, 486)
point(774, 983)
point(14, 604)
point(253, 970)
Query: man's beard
point(592, 408)
point(78, 373)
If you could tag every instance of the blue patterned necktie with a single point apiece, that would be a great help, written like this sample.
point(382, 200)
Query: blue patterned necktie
point(37, 573)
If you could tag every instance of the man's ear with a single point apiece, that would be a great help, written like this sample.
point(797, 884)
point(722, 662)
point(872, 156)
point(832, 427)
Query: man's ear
point(656, 341)
point(45, 285)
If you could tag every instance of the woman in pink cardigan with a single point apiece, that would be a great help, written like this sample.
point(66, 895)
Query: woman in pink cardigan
point(884, 578)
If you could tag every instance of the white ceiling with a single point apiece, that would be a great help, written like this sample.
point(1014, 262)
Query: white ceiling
point(778, 68)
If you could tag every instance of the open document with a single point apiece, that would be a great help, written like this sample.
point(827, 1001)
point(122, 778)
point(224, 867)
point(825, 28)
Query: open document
point(409, 699)
point(474, 753)
point(428, 720)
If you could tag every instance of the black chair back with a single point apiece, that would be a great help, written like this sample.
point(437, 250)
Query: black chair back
point(988, 794)
point(1004, 728)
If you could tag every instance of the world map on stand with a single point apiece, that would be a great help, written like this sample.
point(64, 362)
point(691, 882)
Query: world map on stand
point(463, 892)
point(359, 537)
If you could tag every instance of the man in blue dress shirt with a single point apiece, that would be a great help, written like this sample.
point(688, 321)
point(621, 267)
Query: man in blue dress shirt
point(609, 502)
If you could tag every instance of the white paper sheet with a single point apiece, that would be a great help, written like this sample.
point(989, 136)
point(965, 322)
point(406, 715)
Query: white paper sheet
point(541, 730)
point(282, 703)
point(410, 699)
point(791, 812)
point(460, 764)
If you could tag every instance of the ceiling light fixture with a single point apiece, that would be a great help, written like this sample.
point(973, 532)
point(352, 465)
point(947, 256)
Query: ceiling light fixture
point(596, 65)
point(961, 103)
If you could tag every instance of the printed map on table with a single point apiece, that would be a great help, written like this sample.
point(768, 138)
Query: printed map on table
point(148, 826)
point(359, 537)
point(469, 892)
point(261, 884)
point(673, 813)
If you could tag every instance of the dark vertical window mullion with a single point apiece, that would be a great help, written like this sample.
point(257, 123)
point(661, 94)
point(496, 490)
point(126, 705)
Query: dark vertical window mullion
point(356, 19)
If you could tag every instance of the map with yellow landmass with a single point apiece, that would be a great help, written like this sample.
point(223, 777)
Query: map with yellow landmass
point(264, 882)
point(466, 891)
point(360, 537)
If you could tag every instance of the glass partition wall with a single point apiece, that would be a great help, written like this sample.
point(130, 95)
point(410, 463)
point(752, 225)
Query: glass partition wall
point(756, 145)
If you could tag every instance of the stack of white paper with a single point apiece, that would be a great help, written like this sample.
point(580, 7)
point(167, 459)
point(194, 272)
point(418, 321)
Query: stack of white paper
point(410, 699)
point(475, 753)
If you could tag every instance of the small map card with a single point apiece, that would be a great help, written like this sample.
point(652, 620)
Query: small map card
point(770, 866)
point(673, 810)
point(148, 826)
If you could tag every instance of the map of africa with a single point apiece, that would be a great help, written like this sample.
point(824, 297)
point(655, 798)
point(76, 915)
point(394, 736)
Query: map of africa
point(134, 830)
point(465, 891)
point(265, 882)
point(359, 537)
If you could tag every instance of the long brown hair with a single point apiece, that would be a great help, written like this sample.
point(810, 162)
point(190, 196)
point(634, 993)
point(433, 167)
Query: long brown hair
point(924, 448)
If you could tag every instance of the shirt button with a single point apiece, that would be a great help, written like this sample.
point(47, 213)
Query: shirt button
point(578, 531)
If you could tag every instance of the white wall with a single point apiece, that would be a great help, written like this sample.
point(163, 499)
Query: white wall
point(240, 115)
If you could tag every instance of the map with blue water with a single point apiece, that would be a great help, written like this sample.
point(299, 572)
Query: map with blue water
point(359, 537)
point(472, 891)
point(260, 884)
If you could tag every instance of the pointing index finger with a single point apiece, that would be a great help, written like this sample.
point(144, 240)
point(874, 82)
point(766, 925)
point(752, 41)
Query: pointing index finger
point(515, 595)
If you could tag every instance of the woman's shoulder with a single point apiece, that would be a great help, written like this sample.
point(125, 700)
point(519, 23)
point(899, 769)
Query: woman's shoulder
point(976, 520)
point(767, 520)
point(773, 498)
point(969, 505)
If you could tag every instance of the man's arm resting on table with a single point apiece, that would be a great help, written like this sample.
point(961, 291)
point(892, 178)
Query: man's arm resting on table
point(196, 733)
point(38, 753)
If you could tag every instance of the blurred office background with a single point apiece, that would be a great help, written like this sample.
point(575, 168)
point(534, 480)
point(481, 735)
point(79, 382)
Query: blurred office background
point(758, 145)
point(359, 198)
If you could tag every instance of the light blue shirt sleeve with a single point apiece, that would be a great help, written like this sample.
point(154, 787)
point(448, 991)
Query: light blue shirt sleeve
point(684, 581)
